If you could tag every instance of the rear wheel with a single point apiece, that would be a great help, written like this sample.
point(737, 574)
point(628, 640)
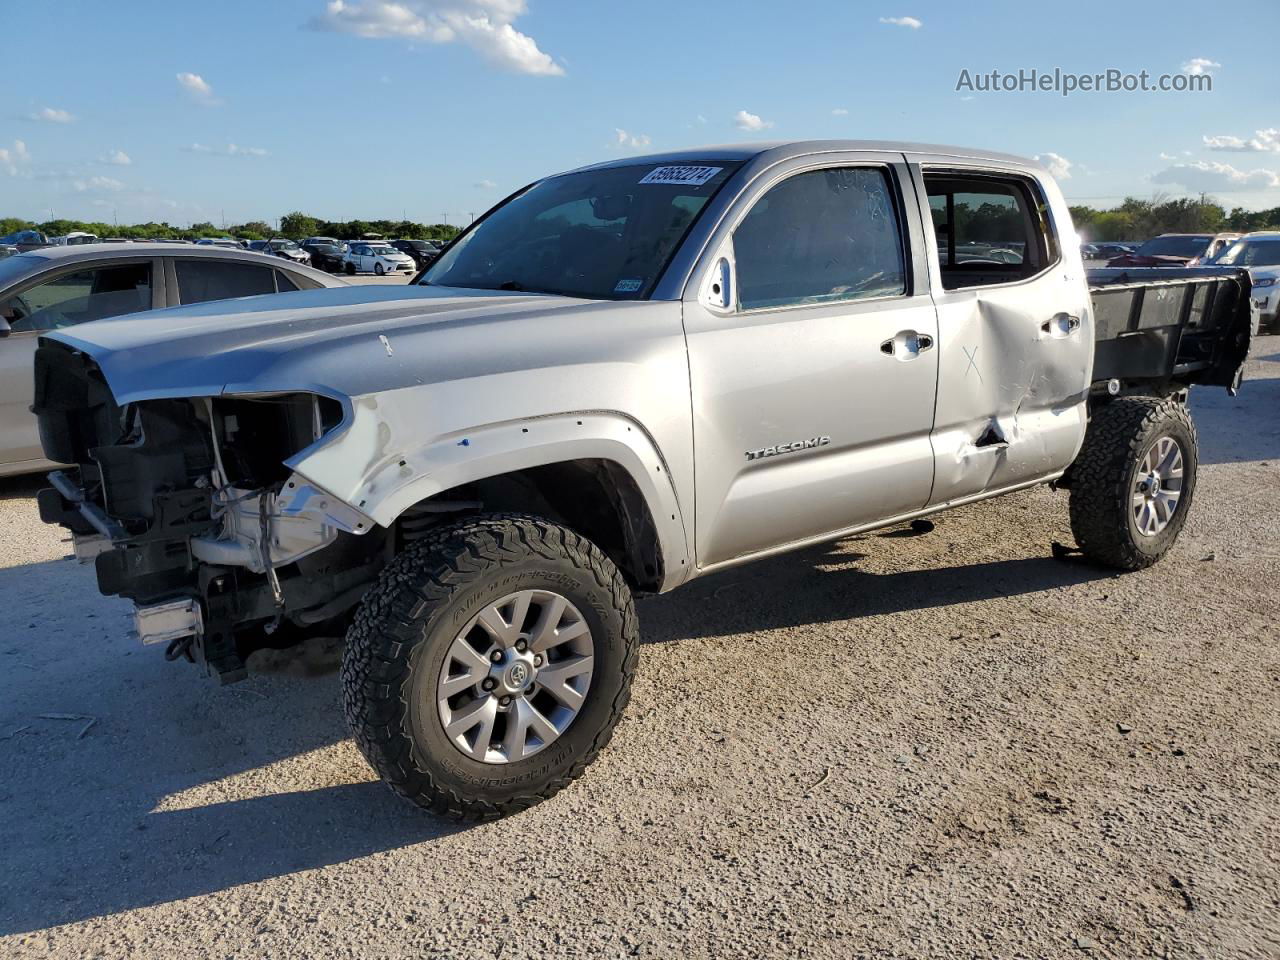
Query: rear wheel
point(1133, 482)
point(489, 665)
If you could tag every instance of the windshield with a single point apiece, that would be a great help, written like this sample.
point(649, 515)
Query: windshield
point(598, 234)
point(1188, 247)
point(283, 245)
point(382, 250)
point(1250, 253)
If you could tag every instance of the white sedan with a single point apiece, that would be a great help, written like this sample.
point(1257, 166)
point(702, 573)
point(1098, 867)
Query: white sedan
point(377, 258)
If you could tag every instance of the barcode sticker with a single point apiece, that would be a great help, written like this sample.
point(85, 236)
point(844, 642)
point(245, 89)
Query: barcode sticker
point(683, 175)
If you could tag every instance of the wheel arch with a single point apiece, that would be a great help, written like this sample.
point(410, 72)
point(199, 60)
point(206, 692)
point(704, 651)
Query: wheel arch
point(598, 472)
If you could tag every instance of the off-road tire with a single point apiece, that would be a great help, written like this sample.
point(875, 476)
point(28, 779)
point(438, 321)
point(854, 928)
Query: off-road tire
point(1103, 476)
point(411, 615)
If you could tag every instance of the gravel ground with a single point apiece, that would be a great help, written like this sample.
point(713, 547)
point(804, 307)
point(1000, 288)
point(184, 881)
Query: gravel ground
point(937, 745)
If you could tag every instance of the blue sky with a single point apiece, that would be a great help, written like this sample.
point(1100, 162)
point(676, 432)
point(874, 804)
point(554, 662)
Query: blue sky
point(247, 109)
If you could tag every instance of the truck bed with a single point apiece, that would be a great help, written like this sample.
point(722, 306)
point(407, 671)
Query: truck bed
point(1189, 325)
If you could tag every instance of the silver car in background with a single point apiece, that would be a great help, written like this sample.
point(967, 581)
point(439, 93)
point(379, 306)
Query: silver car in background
point(57, 287)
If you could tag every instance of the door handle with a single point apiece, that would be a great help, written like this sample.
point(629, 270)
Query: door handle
point(1060, 325)
point(906, 345)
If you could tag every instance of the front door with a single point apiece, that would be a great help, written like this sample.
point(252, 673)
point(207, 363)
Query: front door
point(813, 387)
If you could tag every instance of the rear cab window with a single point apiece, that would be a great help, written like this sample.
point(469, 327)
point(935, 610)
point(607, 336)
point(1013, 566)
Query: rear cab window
point(990, 228)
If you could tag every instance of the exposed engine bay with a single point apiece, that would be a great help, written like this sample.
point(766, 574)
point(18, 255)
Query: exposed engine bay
point(188, 508)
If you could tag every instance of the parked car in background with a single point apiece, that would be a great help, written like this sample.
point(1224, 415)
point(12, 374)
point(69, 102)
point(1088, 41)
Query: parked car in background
point(379, 258)
point(1109, 251)
point(423, 252)
point(74, 238)
point(7, 250)
point(225, 242)
point(280, 247)
point(326, 255)
point(58, 287)
point(1259, 253)
point(311, 241)
point(26, 240)
point(1175, 250)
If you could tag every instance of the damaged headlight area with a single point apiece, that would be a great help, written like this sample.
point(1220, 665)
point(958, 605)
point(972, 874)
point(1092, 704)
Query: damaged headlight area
point(188, 507)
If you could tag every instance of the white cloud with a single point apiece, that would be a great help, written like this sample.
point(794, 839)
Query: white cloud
point(12, 158)
point(1056, 164)
point(911, 23)
point(116, 158)
point(750, 122)
point(1167, 156)
point(198, 89)
point(486, 26)
point(97, 184)
point(52, 115)
point(1262, 141)
point(1199, 65)
point(485, 185)
point(230, 150)
point(1211, 176)
point(633, 140)
point(839, 112)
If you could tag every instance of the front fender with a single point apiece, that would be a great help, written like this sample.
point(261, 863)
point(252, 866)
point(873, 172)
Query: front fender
point(381, 475)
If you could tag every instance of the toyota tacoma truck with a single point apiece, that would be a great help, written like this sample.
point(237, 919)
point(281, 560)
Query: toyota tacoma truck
point(619, 379)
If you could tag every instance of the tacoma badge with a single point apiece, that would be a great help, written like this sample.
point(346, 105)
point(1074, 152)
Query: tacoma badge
point(794, 447)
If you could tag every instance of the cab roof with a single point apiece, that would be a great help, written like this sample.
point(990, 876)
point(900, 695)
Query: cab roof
point(773, 151)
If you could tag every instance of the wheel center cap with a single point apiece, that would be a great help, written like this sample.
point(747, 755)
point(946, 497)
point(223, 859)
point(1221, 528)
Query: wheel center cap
point(515, 674)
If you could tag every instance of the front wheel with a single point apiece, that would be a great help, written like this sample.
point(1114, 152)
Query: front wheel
point(489, 665)
point(1133, 482)
point(351, 269)
point(377, 268)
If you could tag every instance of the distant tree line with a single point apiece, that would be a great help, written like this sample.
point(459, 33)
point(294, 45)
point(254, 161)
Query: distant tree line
point(295, 226)
point(1136, 219)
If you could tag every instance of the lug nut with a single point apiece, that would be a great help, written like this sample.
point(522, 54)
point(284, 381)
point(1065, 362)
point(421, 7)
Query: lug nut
point(505, 701)
point(522, 646)
point(496, 656)
point(537, 660)
point(488, 684)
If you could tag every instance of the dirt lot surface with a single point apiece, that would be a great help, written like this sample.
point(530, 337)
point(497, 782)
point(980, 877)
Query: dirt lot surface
point(938, 745)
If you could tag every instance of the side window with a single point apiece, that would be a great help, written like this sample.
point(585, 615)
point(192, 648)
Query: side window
point(989, 229)
point(821, 237)
point(284, 282)
point(80, 297)
point(202, 280)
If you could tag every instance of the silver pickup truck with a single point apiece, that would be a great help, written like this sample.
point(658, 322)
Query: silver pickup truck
point(619, 379)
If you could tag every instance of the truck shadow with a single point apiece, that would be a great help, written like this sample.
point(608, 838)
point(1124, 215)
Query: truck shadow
point(126, 781)
point(784, 592)
point(149, 805)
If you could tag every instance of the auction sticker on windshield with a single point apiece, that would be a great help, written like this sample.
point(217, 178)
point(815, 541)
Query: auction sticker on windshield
point(683, 175)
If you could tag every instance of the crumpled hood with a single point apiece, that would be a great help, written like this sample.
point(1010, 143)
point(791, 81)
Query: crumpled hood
point(343, 341)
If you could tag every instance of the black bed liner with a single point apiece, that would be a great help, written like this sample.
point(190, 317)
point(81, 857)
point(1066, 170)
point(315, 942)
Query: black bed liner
point(1183, 324)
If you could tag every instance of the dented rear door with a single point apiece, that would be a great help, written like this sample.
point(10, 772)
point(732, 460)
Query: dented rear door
point(1015, 352)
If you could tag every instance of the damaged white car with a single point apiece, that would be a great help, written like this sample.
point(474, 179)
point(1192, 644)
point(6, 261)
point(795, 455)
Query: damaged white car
point(621, 378)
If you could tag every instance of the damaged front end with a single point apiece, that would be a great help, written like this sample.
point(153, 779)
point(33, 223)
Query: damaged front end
point(188, 507)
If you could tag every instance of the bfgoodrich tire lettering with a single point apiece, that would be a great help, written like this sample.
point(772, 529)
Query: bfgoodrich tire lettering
point(1105, 480)
point(407, 624)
